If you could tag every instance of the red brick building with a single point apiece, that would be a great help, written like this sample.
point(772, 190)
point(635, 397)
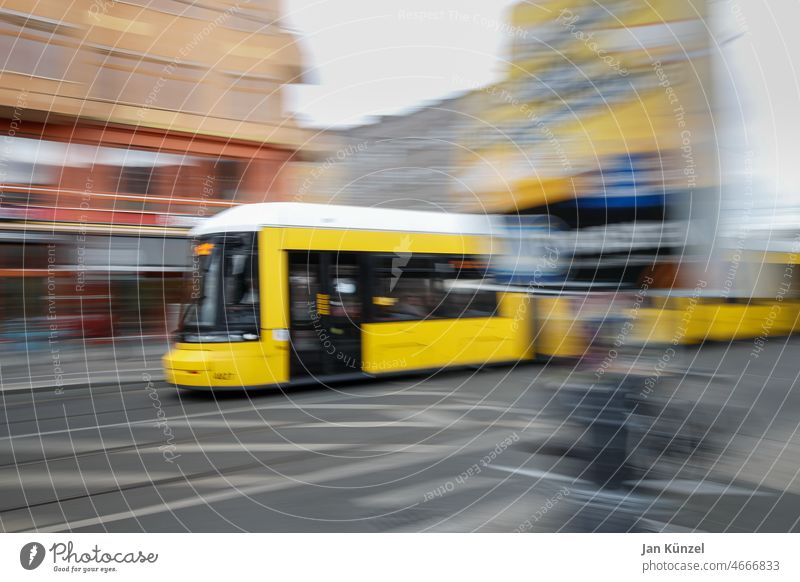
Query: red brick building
point(121, 124)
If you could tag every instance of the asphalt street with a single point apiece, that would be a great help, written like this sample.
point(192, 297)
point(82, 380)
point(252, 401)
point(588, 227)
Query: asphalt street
point(472, 450)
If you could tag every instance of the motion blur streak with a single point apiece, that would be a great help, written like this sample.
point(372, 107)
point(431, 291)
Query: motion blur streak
point(611, 348)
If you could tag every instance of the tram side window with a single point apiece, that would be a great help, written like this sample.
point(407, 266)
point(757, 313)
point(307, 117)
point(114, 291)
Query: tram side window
point(421, 288)
point(462, 282)
point(403, 289)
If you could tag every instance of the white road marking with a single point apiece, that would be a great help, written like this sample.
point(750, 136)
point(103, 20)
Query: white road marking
point(404, 497)
point(661, 527)
point(688, 487)
point(536, 474)
point(366, 424)
point(241, 410)
point(257, 447)
point(269, 484)
point(229, 423)
point(75, 478)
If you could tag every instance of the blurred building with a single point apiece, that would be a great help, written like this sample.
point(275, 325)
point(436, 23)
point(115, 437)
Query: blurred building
point(396, 161)
point(603, 124)
point(600, 130)
point(124, 123)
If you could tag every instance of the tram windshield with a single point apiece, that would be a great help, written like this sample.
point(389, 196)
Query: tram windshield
point(223, 291)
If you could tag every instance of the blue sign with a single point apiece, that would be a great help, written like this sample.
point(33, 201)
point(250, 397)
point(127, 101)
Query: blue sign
point(629, 181)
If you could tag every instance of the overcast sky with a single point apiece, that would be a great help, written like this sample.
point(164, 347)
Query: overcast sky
point(761, 108)
point(372, 57)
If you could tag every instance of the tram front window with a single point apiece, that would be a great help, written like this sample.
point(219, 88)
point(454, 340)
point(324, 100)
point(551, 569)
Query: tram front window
point(224, 290)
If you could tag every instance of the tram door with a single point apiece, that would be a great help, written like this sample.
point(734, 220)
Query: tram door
point(325, 294)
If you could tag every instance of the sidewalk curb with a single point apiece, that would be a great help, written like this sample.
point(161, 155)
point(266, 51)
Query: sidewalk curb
point(156, 375)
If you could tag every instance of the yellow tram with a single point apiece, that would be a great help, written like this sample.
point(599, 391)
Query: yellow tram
point(285, 293)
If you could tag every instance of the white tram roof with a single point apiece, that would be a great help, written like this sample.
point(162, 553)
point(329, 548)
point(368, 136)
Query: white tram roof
point(252, 217)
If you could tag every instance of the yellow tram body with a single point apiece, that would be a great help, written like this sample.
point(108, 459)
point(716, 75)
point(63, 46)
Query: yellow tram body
point(287, 232)
point(326, 295)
